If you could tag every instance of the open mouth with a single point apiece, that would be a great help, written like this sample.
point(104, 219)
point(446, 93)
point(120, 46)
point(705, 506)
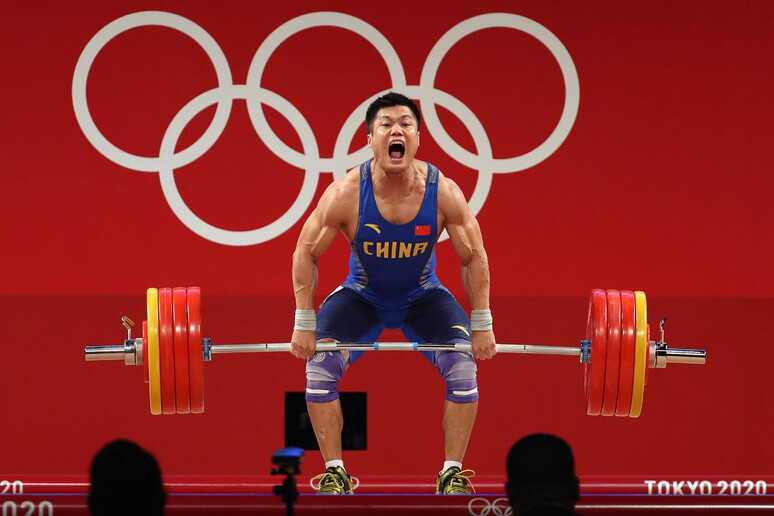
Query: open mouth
point(397, 150)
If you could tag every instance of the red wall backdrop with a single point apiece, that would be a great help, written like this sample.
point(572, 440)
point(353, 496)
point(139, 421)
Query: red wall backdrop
point(663, 184)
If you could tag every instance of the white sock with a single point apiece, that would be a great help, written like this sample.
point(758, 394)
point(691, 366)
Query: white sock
point(334, 463)
point(449, 463)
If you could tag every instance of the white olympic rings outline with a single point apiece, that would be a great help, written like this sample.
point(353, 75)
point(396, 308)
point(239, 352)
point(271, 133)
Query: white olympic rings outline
point(497, 507)
point(310, 161)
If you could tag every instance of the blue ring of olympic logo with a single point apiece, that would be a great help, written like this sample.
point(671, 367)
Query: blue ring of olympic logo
point(310, 160)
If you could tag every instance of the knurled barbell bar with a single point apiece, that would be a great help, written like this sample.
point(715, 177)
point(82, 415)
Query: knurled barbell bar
point(617, 351)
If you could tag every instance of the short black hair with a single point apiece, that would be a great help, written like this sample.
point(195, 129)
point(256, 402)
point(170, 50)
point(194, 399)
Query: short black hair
point(125, 480)
point(389, 100)
point(540, 458)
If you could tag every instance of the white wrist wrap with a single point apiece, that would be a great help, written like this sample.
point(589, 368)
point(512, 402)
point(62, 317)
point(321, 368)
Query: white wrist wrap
point(306, 320)
point(481, 320)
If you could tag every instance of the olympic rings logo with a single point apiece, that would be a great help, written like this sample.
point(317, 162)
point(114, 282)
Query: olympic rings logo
point(310, 160)
point(483, 507)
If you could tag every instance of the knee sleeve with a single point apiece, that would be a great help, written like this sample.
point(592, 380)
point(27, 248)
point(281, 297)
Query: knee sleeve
point(459, 372)
point(323, 372)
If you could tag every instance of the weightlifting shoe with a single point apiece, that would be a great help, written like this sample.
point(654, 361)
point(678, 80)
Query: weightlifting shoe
point(454, 481)
point(334, 481)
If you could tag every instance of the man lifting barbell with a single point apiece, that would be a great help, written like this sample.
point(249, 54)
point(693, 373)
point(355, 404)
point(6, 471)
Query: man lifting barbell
point(392, 285)
point(392, 210)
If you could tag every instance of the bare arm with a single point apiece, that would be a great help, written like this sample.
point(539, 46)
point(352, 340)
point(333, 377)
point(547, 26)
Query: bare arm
point(315, 238)
point(465, 235)
point(320, 229)
point(474, 263)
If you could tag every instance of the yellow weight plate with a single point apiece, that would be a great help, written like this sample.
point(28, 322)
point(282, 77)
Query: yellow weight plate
point(641, 354)
point(154, 368)
point(628, 346)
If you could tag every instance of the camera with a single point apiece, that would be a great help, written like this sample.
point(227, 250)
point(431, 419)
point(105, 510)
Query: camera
point(288, 461)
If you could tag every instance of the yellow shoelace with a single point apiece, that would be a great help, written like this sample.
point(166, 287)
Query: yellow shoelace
point(336, 479)
point(456, 480)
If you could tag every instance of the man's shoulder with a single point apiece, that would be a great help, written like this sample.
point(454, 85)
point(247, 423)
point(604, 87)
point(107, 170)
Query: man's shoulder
point(338, 205)
point(452, 204)
point(345, 187)
point(448, 188)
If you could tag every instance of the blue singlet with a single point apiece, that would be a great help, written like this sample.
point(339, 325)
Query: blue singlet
point(391, 265)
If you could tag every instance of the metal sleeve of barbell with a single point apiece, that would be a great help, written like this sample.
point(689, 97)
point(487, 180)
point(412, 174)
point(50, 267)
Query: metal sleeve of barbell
point(94, 353)
point(686, 356)
point(393, 346)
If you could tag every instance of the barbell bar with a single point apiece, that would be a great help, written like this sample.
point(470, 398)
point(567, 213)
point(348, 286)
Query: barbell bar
point(617, 351)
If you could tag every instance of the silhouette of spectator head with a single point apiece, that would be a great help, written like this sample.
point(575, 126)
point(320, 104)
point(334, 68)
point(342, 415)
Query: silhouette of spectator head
point(125, 481)
point(541, 476)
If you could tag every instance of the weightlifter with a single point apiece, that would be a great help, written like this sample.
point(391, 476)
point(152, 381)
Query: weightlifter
point(391, 210)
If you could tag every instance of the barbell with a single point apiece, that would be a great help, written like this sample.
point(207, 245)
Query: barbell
point(617, 352)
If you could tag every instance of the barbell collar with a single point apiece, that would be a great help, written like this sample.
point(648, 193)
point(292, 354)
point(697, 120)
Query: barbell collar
point(206, 349)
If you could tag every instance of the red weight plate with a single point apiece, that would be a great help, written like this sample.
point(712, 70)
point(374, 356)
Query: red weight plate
point(626, 375)
point(145, 350)
point(613, 352)
point(195, 360)
point(596, 332)
point(166, 351)
point(180, 317)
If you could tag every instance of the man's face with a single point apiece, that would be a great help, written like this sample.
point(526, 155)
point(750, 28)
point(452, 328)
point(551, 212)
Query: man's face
point(394, 138)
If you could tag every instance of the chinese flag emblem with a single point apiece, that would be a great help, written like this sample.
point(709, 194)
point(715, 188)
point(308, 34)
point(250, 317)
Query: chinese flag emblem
point(421, 230)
